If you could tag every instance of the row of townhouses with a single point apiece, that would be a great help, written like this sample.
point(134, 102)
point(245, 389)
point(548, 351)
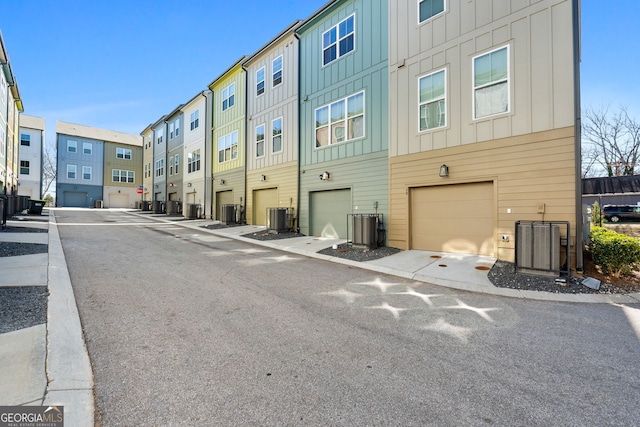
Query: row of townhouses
point(449, 120)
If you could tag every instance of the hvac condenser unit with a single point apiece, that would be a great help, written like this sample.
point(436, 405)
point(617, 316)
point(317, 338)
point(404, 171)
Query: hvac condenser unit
point(228, 214)
point(365, 230)
point(277, 220)
point(538, 248)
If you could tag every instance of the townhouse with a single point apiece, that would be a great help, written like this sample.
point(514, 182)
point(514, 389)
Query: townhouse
point(31, 156)
point(97, 167)
point(272, 129)
point(147, 166)
point(228, 141)
point(159, 150)
point(484, 131)
point(343, 140)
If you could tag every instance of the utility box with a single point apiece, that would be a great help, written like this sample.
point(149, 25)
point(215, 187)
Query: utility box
point(538, 248)
point(365, 230)
point(192, 211)
point(277, 220)
point(172, 207)
point(228, 214)
point(158, 207)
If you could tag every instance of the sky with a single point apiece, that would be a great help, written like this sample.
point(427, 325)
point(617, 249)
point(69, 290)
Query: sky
point(122, 64)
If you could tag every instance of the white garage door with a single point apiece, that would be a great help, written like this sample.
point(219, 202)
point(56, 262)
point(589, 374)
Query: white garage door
point(453, 218)
point(117, 200)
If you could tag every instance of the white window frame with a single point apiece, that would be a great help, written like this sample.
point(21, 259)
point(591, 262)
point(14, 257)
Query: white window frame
point(195, 120)
point(419, 2)
point(72, 169)
point(506, 80)
point(345, 120)
point(260, 81)
point(437, 99)
point(124, 153)
point(177, 164)
point(260, 143)
point(228, 96)
point(25, 139)
point(159, 169)
point(87, 170)
point(177, 122)
point(226, 146)
point(193, 161)
point(273, 135)
point(160, 136)
point(87, 148)
point(171, 166)
point(275, 71)
point(72, 144)
point(338, 38)
point(171, 129)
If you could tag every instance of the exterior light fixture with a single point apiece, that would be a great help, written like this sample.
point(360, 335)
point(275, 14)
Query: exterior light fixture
point(325, 176)
point(263, 178)
point(444, 171)
point(188, 184)
point(222, 182)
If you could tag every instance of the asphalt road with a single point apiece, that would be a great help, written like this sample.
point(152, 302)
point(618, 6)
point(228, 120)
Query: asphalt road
point(188, 329)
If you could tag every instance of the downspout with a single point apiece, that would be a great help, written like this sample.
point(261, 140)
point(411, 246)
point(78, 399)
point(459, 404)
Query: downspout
point(578, 133)
point(295, 34)
point(208, 184)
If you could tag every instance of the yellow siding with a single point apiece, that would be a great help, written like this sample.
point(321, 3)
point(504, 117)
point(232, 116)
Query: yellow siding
point(283, 177)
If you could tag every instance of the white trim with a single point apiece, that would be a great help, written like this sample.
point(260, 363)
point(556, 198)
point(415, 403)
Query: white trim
point(345, 120)
point(264, 74)
point(281, 135)
point(281, 58)
point(337, 42)
point(444, 97)
point(473, 87)
point(264, 140)
point(432, 17)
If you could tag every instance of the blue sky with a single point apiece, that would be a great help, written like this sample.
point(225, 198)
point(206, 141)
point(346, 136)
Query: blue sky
point(122, 64)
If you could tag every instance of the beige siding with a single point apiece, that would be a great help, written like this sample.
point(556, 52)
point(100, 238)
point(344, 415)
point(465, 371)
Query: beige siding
point(527, 170)
point(234, 181)
point(283, 177)
point(540, 42)
point(147, 162)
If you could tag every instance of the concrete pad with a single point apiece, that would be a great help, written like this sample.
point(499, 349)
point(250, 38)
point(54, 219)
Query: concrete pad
point(24, 270)
point(460, 268)
point(42, 238)
point(78, 405)
point(409, 261)
point(41, 225)
point(23, 377)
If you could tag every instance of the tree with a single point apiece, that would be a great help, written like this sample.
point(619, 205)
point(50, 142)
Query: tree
point(611, 142)
point(48, 168)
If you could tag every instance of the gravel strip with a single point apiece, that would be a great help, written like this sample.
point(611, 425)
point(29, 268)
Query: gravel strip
point(16, 248)
point(22, 307)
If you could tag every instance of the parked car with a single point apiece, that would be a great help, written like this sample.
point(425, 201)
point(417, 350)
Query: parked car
point(616, 213)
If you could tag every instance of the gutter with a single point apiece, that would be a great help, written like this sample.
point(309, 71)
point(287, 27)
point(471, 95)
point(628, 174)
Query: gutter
point(577, 34)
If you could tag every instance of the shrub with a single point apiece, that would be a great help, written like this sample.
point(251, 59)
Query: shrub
point(615, 253)
point(596, 214)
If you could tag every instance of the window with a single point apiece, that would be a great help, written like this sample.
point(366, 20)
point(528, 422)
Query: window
point(25, 139)
point(159, 136)
point(195, 118)
point(177, 164)
point(86, 172)
point(427, 9)
point(123, 153)
point(260, 81)
point(71, 171)
point(276, 138)
point(72, 146)
point(277, 71)
point(338, 41)
point(118, 175)
point(432, 101)
point(491, 83)
point(159, 168)
point(171, 130)
point(24, 167)
point(260, 141)
point(170, 166)
point(177, 127)
point(228, 96)
point(193, 161)
point(340, 121)
point(87, 148)
point(146, 170)
point(228, 147)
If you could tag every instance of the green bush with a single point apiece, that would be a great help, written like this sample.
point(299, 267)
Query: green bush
point(615, 253)
point(596, 214)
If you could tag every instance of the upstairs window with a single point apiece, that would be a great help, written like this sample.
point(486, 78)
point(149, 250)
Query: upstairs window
point(25, 139)
point(260, 81)
point(171, 130)
point(228, 147)
point(87, 148)
point(427, 9)
point(72, 146)
point(71, 171)
point(195, 119)
point(338, 40)
point(123, 153)
point(491, 83)
point(193, 161)
point(177, 164)
point(24, 167)
point(432, 101)
point(86, 172)
point(159, 136)
point(276, 139)
point(170, 166)
point(277, 71)
point(340, 121)
point(260, 141)
point(228, 96)
point(177, 122)
point(159, 168)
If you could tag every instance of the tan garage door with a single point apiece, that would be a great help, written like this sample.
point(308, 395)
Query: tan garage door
point(453, 218)
point(263, 199)
point(117, 200)
point(223, 198)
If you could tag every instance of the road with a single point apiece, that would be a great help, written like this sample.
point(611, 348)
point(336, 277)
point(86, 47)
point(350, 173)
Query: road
point(185, 328)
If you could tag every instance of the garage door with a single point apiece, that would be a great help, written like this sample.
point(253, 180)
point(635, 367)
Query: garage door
point(453, 218)
point(117, 200)
point(75, 199)
point(223, 198)
point(328, 213)
point(262, 200)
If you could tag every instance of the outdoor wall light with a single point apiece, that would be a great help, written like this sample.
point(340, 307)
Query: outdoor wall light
point(325, 176)
point(188, 184)
point(444, 171)
point(222, 182)
point(263, 178)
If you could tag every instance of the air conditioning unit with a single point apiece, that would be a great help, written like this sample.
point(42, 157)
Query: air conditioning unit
point(538, 248)
point(228, 214)
point(365, 230)
point(99, 204)
point(277, 220)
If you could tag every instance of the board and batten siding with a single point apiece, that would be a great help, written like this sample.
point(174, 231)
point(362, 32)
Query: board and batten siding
point(284, 178)
point(194, 183)
point(527, 170)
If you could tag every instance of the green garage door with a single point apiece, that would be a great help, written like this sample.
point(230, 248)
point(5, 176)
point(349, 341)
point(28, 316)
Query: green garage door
point(328, 213)
point(263, 199)
point(75, 199)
